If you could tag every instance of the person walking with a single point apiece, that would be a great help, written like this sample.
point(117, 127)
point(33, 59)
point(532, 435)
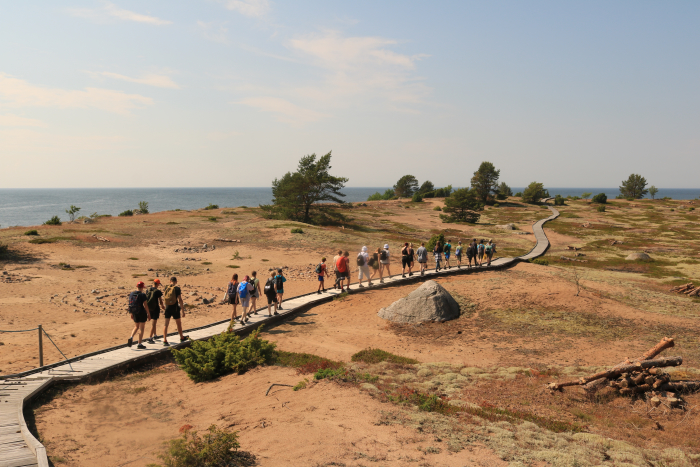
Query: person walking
point(154, 300)
point(343, 267)
point(335, 268)
point(471, 252)
point(412, 257)
point(174, 308)
point(245, 290)
point(233, 298)
point(255, 294)
point(270, 292)
point(405, 260)
point(138, 309)
point(437, 252)
point(363, 266)
point(279, 287)
point(374, 262)
point(422, 255)
point(490, 251)
point(447, 249)
point(322, 273)
point(458, 254)
point(480, 251)
point(384, 263)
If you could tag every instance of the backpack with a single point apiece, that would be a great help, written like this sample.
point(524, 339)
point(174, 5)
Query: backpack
point(341, 265)
point(133, 301)
point(279, 283)
point(243, 290)
point(360, 259)
point(269, 288)
point(447, 248)
point(150, 296)
point(487, 248)
point(319, 268)
point(169, 296)
point(493, 248)
point(382, 255)
point(231, 291)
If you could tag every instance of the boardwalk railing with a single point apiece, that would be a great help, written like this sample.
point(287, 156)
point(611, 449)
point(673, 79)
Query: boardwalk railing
point(18, 448)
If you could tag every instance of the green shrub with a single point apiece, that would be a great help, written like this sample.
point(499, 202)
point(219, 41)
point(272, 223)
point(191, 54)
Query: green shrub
point(417, 198)
point(303, 362)
point(55, 220)
point(31, 232)
point(437, 208)
point(559, 200)
point(4, 250)
point(496, 205)
point(328, 373)
point(126, 213)
point(297, 230)
point(691, 209)
point(222, 354)
point(40, 241)
point(216, 447)
point(212, 218)
point(300, 385)
point(433, 241)
point(143, 207)
point(540, 261)
point(519, 194)
point(213, 206)
point(501, 197)
point(600, 198)
point(371, 356)
point(600, 208)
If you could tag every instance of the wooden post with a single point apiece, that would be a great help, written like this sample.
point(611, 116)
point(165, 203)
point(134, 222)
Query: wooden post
point(41, 347)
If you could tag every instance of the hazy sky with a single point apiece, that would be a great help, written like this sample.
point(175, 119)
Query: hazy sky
point(234, 92)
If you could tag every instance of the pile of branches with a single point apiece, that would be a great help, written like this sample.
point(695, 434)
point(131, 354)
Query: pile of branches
point(641, 376)
point(688, 289)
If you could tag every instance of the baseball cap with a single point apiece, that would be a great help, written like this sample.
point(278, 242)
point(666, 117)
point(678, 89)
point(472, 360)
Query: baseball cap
point(140, 284)
point(386, 247)
point(156, 281)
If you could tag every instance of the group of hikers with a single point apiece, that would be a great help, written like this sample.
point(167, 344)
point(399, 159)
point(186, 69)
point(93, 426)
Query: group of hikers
point(146, 305)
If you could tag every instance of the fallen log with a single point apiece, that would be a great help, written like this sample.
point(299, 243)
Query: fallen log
point(681, 386)
point(620, 370)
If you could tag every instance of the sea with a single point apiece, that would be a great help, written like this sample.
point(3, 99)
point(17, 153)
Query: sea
point(33, 206)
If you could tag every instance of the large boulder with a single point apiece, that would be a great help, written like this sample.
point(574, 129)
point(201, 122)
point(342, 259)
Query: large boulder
point(429, 302)
point(638, 257)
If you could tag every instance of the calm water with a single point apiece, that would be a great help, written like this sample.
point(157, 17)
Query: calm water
point(33, 206)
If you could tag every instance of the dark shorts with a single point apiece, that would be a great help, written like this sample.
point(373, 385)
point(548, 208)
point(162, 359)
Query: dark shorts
point(233, 300)
point(155, 312)
point(271, 299)
point(406, 261)
point(140, 316)
point(172, 311)
point(343, 275)
point(321, 278)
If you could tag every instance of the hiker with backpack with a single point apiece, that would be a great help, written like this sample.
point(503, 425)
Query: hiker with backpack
point(342, 265)
point(233, 298)
point(458, 254)
point(338, 278)
point(437, 253)
point(480, 251)
point(422, 255)
point(321, 273)
point(271, 293)
point(374, 262)
point(384, 262)
point(174, 308)
point(138, 309)
point(255, 294)
point(406, 259)
point(363, 266)
point(279, 287)
point(447, 250)
point(245, 289)
point(154, 300)
point(471, 252)
point(490, 251)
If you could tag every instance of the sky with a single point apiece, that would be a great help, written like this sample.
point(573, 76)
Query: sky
point(232, 93)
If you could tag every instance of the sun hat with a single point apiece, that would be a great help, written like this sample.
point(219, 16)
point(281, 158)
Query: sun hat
point(156, 281)
point(386, 246)
point(140, 284)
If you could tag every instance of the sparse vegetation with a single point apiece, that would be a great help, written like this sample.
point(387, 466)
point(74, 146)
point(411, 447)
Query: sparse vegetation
point(211, 206)
point(297, 230)
point(377, 355)
point(600, 208)
point(126, 213)
point(72, 211)
point(55, 220)
point(540, 261)
point(600, 198)
point(31, 232)
point(143, 207)
point(4, 250)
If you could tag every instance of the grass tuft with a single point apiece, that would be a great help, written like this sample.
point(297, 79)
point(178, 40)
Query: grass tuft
point(371, 356)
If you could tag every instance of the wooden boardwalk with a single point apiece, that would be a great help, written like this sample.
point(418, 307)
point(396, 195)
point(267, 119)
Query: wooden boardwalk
point(19, 448)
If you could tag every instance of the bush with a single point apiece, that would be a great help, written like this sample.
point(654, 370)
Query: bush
point(55, 220)
point(212, 218)
point(217, 447)
point(501, 197)
point(143, 207)
point(377, 356)
point(496, 205)
point(558, 200)
point(222, 354)
point(534, 193)
point(4, 250)
point(297, 230)
point(429, 194)
point(329, 373)
point(126, 213)
point(433, 241)
point(304, 362)
point(31, 232)
point(600, 198)
point(437, 208)
point(540, 261)
point(213, 206)
point(519, 194)
point(600, 208)
point(417, 198)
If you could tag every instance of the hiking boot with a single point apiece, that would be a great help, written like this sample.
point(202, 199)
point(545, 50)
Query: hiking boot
point(403, 276)
point(410, 274)
point(276, 313)
point(141, 347)
point(130, 342)
point(166, 344)
point(280, 307)
point(319, 292)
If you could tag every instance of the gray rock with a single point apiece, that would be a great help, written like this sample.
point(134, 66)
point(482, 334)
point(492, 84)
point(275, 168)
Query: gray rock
point(429, 302)
point(506, 227)
point(640, 256)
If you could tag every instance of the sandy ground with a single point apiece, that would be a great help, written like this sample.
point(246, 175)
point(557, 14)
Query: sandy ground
point(125, 421)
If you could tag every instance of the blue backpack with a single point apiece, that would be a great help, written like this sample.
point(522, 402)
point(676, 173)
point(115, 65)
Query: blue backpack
point(243, 290)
